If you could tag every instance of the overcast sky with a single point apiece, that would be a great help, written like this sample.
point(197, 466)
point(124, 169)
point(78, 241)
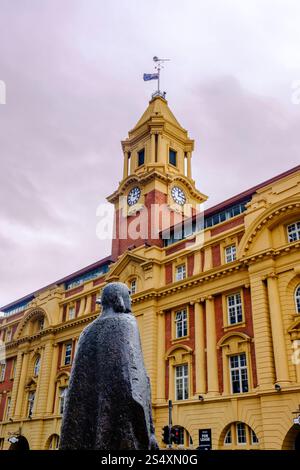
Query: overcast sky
point(73, 71)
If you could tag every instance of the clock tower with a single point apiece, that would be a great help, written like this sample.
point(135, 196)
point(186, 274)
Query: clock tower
point(157, 189)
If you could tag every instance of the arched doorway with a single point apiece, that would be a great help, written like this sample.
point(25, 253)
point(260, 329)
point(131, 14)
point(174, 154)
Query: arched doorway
point(292, 439)
point(18, 443)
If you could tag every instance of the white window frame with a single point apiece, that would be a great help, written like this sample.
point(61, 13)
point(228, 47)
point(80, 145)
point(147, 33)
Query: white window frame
point(230, 253)
point(8, 407)
point(240, 369)
point(181, 323)
point(297, 298)
point(182, 382)
point(180, 272)
point(234, 308)
point(71, 312)
point(133, 286)
point(293, 231)
point(31, 399)
point(3, 370)
point(37, 366)
point(241, 431)
point(228, 438)
point(68, 353)
point(62, 399)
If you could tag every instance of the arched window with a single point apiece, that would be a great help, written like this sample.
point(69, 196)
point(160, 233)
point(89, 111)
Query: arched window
point(297, 299)
point(53, 442)
point(239, 435)
point(37, 366)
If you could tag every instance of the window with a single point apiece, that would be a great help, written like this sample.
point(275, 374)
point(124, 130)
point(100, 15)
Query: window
point(8, 406)
point(31, 397)
point(230, 253)
point(37, 365)
point(173, 157)
point(141, 157)
point(62, 398)
point(234, 308)
point(254, 439)
point(293, 231)
point(71, 313)
point(2, 370)
point(133, 286)
point(41, 323)
point(181, 377)
point(297, 299)
point(238, 373)
point(68, 354)
point(228, 437)
point(241, 433)
point(181, 323)
point(180, 272)
point(54, 442)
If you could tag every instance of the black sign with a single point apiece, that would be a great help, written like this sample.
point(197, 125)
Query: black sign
point(204, 439)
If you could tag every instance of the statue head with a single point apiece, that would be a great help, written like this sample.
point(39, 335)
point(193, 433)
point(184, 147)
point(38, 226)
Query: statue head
point(116, 296)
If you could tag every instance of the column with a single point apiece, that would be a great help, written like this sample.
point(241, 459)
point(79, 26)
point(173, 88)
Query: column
point(16, 382)
point(88, 306)
point(189, 166)
point(52, 383)
point(44, 378)
point(82, 306)
point(161, 367)
point(125, 168)
point(20, 394)
point(211, 348)
point(152, 148)
point(280, 355)
point(160, 155)
point(200, 349)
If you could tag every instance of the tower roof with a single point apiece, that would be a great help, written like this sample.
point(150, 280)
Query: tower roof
point(158, 108)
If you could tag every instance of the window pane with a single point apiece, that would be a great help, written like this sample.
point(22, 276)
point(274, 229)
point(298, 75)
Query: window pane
point(173, 157)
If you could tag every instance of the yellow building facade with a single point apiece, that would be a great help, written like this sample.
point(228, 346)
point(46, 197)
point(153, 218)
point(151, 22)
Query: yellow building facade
point(216, 298)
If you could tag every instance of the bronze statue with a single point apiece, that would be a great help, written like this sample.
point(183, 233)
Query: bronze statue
point(108, 404)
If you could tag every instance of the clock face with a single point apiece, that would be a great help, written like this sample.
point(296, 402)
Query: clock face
point(178, 195)
point(133, 196)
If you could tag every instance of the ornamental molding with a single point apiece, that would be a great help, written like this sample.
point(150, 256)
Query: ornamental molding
point(275, 211)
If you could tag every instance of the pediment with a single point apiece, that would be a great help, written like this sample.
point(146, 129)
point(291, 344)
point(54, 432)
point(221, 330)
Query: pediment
point(128, 259)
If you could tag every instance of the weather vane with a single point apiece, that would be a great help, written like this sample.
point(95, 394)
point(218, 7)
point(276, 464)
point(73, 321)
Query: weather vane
point(156, 76)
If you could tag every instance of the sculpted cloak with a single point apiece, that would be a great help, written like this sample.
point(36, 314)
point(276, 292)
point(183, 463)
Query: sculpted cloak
point(108, 403)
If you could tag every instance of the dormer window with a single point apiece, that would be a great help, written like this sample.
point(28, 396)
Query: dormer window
point(173, 157)
point(293, 231)
point(141, 157)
